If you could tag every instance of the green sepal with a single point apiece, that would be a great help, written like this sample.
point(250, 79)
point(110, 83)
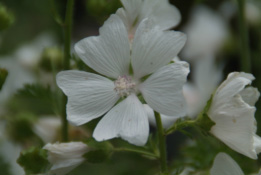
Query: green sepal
point(3, 76)
point(34, 160)
point(6, 18)
point(203, 121)
point(99, 151)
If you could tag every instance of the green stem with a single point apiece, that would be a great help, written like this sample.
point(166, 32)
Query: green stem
point(162, 145)
point(245, 53)
point(67, 56)
point(136, 151)
point(180, 125)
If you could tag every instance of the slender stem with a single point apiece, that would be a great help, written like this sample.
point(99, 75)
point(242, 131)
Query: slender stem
point(162, 144)
point(245, 53)
point(67, 56)
point(137, 151)
point(180, 125)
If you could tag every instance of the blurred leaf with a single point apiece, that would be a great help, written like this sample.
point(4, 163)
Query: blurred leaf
point(6, 18)
point(33, 98)
point(99, 151)
point(34, 160)
point(3, 76)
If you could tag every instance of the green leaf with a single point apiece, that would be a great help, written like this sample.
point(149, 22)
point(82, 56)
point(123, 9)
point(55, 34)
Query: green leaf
point(34, 160)
point(3, 76)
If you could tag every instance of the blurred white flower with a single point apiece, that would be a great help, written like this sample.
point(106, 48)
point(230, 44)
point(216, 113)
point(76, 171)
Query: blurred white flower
point(233, 111)
point(16, 79)
point(161, 12)
point(64, 157)
point(206, 32)
point(206, 77)
point(91, 95)
point(29, 54)
point(225, 165)
point(253, 11)
point(46, 128)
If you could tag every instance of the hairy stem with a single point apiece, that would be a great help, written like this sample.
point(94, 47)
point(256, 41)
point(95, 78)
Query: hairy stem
point(67, 56)
point(162, 145)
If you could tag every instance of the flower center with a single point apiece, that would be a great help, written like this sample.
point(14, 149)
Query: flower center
point(124, 85)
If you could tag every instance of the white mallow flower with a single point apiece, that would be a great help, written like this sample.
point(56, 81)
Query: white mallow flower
point(64, 157)
point(225, 165)
point(91, 96)
point(161, 12)
point(233, 111)
point(206, 31)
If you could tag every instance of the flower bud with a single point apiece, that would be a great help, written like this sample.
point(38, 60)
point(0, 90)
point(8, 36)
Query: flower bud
point(65, 156)
point(51, 58)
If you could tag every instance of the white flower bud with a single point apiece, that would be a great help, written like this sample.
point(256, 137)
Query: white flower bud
point(65, 156)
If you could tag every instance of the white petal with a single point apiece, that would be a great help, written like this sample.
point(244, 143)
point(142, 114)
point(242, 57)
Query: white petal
point(132, 9)
point(250, 95)
point(153, 48)
point(89, 95)
point(225, 165)
point(161, 12)
point(235, 126)
point(109, 53)
point(257, 143)
point(66, 166)
point(167, 121)
point(163, 89)
point(127, 120)
point(233, 85)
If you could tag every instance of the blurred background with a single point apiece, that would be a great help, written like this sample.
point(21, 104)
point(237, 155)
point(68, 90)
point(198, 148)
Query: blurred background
point(31, 51)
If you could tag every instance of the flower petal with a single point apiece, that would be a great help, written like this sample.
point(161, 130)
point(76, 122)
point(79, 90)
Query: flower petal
point(161, 12)
point(89, 95)
point(153, 48)
point(127, 120)
point(250, 95)
point(109, 53)
point(225, 165)
point(132, 8)
point(163, 89)
point(167, 121)
point(235, 126)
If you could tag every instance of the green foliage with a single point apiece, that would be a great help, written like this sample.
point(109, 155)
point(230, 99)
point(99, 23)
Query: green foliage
point(6, 18)
point(99, 151)
point(35, 99)
point(34, 160)
point(3, 76)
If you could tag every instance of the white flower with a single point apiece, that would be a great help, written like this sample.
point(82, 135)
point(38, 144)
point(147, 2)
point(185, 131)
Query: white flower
point(225, 165)
point(46, 128)
point(65, 156)
point(161, 12)
point(206, 32)
point(206, 77)
point(91, 95)
point(233, 111)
